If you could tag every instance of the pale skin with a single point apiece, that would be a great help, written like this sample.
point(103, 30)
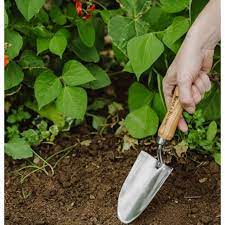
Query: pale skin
point(190, 68)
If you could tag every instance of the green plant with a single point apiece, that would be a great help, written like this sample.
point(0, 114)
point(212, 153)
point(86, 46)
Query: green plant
point(54, 58)
point(202, 135)
point(148, 36)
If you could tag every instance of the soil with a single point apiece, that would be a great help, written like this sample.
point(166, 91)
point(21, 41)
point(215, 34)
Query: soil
point(87, 180)
point(86, 183)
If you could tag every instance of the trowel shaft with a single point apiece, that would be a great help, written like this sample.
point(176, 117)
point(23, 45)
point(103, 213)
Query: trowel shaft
point(169, 125)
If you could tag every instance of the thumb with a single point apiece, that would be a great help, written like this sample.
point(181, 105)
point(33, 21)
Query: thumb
point(185, 93)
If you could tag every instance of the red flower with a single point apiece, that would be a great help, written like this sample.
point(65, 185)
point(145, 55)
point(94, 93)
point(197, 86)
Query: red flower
point(78, 7)
point(91, 8)
point(87, 16)
point(6, 60)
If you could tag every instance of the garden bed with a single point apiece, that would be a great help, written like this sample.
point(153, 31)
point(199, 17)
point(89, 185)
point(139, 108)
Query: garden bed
point(86, 183)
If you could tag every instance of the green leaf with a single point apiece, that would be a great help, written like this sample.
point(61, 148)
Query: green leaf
point(29, 60)
point(74, 73)
point(101, 78)
point(138, 96)
point(143, 51)
point(58, 44)
point(42, 44)
point(15, 42)
point(29, 8)
point(57, 16)
point(210, 105)
point(174, 6)
point(47, 87)
point(42, 17)
point(134, 8)
point(17, 148)
point(122, 29)
point(98, 122)
point(142, 122)
point(211, 131)
point(217, 157)
point(6, 19)
point(158, 106)
point(72, 102)
point(86, 32)
point(157, 18)
point(13, 75)
point(175, 31)
point(108, 14)
point(83, 52)
point(49, 112)
point(128, 67)
point(41, 31)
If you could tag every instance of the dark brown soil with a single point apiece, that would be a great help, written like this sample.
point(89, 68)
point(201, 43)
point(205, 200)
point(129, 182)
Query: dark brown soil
point(86, 184)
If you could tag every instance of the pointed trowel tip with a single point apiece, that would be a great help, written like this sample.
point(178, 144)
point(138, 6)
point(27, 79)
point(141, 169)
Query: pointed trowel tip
point(123, 218)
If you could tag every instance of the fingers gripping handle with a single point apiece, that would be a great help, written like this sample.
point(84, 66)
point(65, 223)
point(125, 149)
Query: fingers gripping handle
point(169, 125)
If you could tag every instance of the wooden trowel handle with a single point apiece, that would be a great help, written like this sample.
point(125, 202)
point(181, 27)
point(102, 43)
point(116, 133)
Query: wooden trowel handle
point(170, 121)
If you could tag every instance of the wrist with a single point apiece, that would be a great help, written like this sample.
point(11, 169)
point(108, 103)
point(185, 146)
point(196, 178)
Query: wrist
point(205, 31)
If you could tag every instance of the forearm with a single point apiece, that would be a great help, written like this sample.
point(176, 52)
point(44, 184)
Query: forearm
point(205, 31)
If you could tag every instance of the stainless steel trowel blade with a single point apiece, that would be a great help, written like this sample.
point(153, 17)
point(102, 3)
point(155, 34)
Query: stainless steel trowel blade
point(140, 187)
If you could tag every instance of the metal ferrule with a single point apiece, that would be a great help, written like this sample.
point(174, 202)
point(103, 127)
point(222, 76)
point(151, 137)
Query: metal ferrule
point(160, 141)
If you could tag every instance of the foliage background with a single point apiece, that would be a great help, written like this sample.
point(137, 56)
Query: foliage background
point(56, 57)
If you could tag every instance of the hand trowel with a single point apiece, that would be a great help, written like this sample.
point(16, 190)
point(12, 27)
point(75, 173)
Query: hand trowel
point(148, 173)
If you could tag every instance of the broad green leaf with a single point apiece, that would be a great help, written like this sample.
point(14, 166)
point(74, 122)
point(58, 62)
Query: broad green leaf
point(134, 7)
point(122, 29)
point(157, 18)
point(15, 42)
point(13, 75)
point(29, 60)
point(57, 16)
point(98, 122)
point(108, 14)
point(158, 106)
point(57, 44)
point(41, 31)
point(86, 32)
point(120, 57)
point(142, 122)
point(42, 44)
point(217, 157)
point(49, 112)
point(128, 67)
point(74, 73)
point(174, 6)
point(42, 17)
point(102, 78)
point(6, 19)
point(175, 31)
point(143, 51)
point(47, 88)
point(29, 8)
point(138, 96)
point(72, 102)
point(83, 52)
point(211, 131)
point(17, 148)
point(64, 32)
point(210, 105)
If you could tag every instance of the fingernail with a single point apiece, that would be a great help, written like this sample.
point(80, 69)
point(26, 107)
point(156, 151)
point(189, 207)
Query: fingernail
point(191, 110)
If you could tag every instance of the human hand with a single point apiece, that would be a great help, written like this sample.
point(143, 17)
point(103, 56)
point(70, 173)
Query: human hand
point(194, 60)
point(189, 72)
